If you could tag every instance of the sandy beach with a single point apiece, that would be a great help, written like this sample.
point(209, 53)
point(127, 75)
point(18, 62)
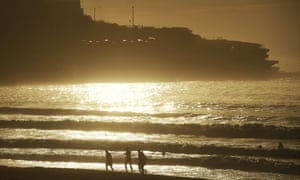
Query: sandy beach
point(13, 173)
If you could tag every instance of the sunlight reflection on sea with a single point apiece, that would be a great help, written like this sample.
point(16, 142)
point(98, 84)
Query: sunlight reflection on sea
point(45, 125)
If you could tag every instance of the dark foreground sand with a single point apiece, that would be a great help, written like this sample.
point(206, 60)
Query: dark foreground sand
point(9, 173)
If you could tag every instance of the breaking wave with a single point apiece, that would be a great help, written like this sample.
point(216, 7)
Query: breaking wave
point(213, 130)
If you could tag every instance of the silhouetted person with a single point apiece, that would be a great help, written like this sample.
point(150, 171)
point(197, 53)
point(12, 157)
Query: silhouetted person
point(280, 145)
point(141, 161)
point(128, 159)
point(163, 152)
point(109, 161)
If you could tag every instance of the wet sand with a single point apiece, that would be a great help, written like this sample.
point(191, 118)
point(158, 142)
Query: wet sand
point(13, 173)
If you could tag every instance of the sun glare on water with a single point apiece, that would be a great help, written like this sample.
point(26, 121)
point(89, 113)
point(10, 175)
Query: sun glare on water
point(115, 98)
point(118, 97)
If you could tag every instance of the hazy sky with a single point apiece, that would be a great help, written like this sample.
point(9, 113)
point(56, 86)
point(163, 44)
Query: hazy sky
point(273, 23)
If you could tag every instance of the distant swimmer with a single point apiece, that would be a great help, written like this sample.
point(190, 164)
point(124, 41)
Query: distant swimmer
point(163, 152)
point(280, 145)
point(141, 161)
point(128, 159)
point(109, 161)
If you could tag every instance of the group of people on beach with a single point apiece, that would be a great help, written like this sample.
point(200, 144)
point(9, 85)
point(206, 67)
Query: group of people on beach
point(128, 160)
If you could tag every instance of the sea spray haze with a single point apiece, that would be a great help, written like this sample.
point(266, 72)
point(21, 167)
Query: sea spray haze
point(234, 126)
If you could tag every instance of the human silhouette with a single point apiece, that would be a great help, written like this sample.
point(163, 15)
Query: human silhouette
point(141, 161)
point(163, 152)
point(128, 159)
point(109, 161)
point(280, 145)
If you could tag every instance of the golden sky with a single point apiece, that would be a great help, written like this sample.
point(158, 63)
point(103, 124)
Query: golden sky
point(273, 23)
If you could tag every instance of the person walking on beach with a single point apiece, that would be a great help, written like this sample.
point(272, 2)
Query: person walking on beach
point(128, 159)
point(141, 161)
point(109, 161)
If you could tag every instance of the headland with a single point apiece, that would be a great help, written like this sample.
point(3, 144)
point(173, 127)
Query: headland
point(54, 41)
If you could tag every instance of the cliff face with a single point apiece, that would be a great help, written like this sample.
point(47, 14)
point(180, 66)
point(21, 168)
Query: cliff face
point(36, 35)
point(51, 40)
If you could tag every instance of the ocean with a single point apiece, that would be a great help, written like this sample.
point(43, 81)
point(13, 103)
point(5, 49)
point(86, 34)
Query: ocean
point(206, 129)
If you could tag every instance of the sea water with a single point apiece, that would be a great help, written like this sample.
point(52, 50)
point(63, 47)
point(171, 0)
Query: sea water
point(207, 129)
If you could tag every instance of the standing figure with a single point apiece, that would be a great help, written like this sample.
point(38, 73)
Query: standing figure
point(141, 161)
point(163, 152)
point(109, 161)
point(128, 159)
point(280, 145)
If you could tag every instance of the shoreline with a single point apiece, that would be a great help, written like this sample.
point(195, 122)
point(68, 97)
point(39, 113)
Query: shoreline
point(16, 173)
